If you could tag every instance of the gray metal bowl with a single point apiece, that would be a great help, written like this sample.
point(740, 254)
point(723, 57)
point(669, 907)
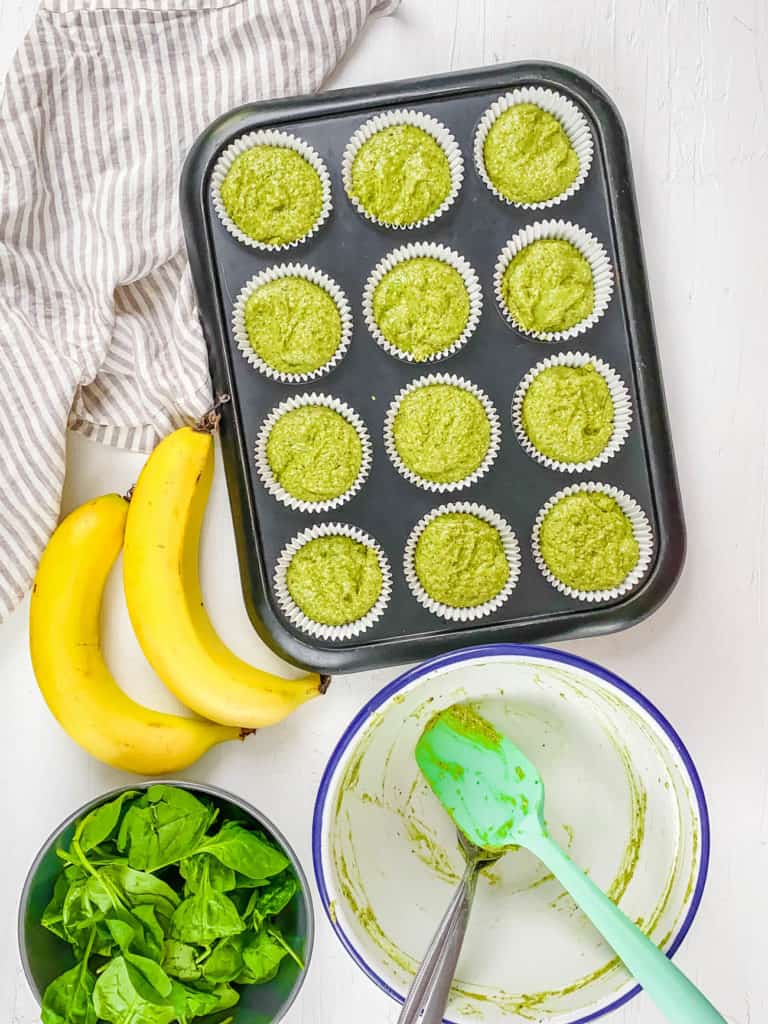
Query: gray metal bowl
point(44, 956)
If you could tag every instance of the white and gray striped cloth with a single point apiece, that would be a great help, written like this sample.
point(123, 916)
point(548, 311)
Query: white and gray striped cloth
point(98, 327)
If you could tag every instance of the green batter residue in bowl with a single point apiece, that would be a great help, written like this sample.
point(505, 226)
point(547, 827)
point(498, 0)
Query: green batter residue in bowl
point(421, 306)
point(528, 156)
point(400, 175)
point(315, 454)
point(460, 560)
point(567, 413)
point(441, 432)
point(272, 194)
point(548, 286)
point(587, 541)
point(293, 324)
point(335, 580)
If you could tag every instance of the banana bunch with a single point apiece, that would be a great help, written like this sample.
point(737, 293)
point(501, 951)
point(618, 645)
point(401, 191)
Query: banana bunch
point(160, 530)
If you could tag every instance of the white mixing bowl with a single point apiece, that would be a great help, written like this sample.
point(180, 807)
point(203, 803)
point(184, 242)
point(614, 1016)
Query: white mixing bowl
point(622, 796)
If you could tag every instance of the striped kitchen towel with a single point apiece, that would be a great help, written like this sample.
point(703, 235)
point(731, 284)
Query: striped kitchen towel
point(98, 326)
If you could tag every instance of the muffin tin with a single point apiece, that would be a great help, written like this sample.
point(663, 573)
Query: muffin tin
point(388, 507)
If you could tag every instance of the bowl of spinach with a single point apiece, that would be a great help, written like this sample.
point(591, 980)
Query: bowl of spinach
point(165, 902)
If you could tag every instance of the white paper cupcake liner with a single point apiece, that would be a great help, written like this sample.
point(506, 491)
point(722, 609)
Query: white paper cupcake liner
point(622, 411)
point(592, 251)
point(433, 127)
point(511, 550)
point(292, 611)
point(308, 274)
point(641, 528)
point(421, 250)
point(268, 137)
point(574, 125)
point(264, 469)
point(493, 443)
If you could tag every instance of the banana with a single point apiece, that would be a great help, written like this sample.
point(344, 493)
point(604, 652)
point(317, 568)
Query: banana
point(68, 663)
point(162, 589)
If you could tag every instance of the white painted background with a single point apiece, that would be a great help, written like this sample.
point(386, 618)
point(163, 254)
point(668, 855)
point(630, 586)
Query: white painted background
point(691, 79)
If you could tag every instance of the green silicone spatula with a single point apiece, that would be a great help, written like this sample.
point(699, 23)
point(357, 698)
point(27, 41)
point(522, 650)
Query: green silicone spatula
point(495, 797)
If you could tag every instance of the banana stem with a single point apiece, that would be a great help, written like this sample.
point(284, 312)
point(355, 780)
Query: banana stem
point(209, 421)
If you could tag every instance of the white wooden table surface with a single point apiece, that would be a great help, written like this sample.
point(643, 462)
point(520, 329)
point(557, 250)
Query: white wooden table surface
point(691, 79)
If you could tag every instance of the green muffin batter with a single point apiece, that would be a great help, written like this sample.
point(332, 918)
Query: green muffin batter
point(421, 306)
point(567, 413)
point(400, 175)
point(528, 156)
point(314, 453)
point(460, 560)
point(334, 580)
point(272, 194)
point(292, 324)
point(587, 542)
point(441, 432)
point(548, 286)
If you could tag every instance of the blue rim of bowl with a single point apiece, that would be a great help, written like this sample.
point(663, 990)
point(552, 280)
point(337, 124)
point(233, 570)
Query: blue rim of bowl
point(472, 654)
point(208, 790)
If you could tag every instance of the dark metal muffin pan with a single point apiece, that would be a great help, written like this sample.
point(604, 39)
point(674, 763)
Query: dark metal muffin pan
point(347, 248)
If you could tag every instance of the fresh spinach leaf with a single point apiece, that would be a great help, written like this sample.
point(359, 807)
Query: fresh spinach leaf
point(180, 960)
point(244, 851)
point(221, 877)
point(205, 916)
point(99, 824)
point(122, 995)
point(192, 1002)
point(262, 956)
point(82, 919)
point(165, 824)
point(137, 931)
point(275, 934)
point(225, 961)
point(152, 973)
point(268, 902)
point(140, 888)
point(52, 918)
point(68, 999)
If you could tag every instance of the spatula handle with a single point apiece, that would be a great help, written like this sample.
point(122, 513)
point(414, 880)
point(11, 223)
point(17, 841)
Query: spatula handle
point(676, 996)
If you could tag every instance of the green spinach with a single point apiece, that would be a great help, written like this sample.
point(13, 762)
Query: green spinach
point(69, 998)
point(165, 824)
point(206, 915)
point(225, 961)
point(122, 995)
point(244, 851)
point(166, 909)
point(262, 957)
point(180, 960)
point(219, 875)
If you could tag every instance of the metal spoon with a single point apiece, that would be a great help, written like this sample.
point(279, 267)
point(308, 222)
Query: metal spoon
point(428, 995)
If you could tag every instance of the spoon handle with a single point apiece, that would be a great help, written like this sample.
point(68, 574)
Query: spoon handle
point(436, 999)
point(433, 965)
point(677, 997)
